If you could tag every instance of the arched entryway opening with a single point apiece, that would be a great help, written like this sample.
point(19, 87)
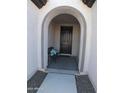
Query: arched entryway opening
point(64, 38)
point(45, 29)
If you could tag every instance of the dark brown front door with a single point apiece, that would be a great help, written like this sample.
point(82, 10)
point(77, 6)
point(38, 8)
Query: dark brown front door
point(66, 39)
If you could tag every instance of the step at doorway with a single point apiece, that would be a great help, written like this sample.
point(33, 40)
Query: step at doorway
point(63, 63)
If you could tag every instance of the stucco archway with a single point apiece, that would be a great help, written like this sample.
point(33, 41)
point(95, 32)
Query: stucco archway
point(44, 32)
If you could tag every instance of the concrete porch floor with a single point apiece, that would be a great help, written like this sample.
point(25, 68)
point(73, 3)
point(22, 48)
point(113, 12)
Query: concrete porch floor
point(58, 83)
point(64, 62)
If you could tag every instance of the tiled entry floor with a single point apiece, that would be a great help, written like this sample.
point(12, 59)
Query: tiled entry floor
point(64, 62)
point(83, 84)
point(58, 83)
point(35, 82)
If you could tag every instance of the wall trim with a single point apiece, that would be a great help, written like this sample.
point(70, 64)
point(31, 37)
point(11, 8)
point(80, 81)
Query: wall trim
point(83, 73)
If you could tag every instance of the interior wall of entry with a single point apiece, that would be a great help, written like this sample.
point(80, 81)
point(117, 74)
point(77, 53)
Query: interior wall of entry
point(55, 31)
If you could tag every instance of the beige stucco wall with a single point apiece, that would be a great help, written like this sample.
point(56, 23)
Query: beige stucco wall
point(92, 66)
point(51, 35)
point(54, 37)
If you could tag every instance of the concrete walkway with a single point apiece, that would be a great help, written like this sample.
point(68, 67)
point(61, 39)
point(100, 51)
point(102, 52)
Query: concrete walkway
point(58, 83)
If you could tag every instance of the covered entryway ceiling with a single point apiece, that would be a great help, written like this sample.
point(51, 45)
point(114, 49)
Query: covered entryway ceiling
point(66, 19)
